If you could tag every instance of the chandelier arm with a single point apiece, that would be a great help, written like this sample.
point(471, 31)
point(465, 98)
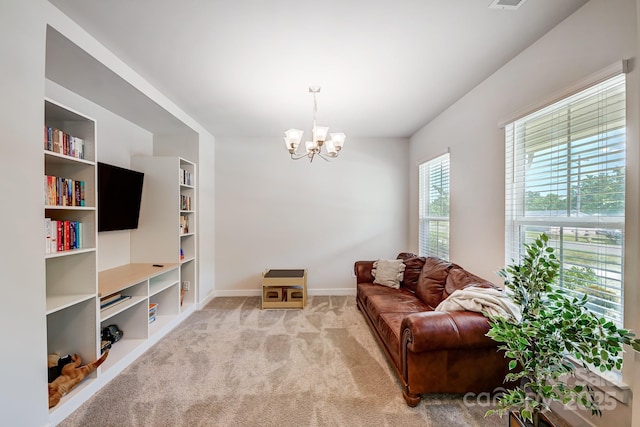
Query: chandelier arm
point(323, 157)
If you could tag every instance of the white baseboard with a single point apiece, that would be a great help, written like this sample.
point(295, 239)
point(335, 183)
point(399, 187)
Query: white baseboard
point(257, 292)
point(332, 292)
point(206, 301)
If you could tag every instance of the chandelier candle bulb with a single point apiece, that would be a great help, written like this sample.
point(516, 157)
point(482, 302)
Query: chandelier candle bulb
point(332, 151)
point(320, 133)
point(292, 139)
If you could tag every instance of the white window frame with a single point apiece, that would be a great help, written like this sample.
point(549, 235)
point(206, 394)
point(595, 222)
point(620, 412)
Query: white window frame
point(433, 227)
point(565, 132)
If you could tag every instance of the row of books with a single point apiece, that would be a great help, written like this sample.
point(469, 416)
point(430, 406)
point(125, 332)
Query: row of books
point(186, 177)
point(61, 142)
point(62, 235)
point(185, 202)
point(63, 191)
point(112, 300)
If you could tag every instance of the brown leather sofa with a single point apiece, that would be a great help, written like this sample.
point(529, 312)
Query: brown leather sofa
point(432, 351)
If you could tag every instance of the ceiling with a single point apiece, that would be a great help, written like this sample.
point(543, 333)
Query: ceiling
point(243, 68)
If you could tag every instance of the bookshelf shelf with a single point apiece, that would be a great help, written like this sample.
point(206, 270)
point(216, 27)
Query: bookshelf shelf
point(60, 302)
point(160, 323)
point(155, 288)
point(69, 208)
point(76, 393)
point(57, 158)
point(120, 351)
point(109, 312)
point(69, 253)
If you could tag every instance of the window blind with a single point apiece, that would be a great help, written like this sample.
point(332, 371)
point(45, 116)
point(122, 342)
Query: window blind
point(565, 176)
point(434, 207)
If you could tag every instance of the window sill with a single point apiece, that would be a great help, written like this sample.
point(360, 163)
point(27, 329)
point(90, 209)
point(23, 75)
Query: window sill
point(609, 383)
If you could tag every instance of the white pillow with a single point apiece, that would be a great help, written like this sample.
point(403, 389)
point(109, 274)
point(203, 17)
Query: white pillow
point(388, 272)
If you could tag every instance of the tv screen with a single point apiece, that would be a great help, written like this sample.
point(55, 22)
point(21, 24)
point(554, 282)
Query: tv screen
point(119, 197)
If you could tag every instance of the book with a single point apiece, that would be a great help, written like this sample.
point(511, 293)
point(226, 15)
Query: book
point(50, 190)
point(77, 196)
point(73, 235)
point(47, 235)
point(119, 300)
point(55, 146)
point(60, 234)
point(109, 298)
point(53, 245)
point(67, 235)
point(185, 177)
point(184, 224)
point(79, 235)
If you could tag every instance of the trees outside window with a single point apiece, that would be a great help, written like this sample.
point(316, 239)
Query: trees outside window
point(565, 176)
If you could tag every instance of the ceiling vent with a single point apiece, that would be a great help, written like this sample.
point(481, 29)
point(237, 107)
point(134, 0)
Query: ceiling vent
point(506, 4)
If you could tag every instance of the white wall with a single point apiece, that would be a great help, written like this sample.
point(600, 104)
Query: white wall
point(273, 212)
point(206, 219)
point(597, 35)
point(22, 306)
point(117, 140)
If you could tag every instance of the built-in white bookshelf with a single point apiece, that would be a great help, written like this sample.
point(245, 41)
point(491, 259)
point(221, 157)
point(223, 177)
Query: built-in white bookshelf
point(156, 272)
point(143, 284)
point(71, 271)
point(168, 204)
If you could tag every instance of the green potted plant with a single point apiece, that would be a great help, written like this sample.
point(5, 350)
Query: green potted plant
point(552, 326)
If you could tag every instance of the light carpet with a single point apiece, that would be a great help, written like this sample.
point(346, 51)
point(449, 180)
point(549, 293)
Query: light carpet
point(233, 364)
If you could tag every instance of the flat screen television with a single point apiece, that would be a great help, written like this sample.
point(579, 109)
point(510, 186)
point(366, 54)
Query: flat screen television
point(119, 197)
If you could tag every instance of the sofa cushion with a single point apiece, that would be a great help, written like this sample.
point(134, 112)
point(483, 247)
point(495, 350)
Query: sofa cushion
point(432, 281)
point(396, 301)
point(389, 327)
point(413, 268)
point(388, 272)
point(366, 290)
point(459, 278)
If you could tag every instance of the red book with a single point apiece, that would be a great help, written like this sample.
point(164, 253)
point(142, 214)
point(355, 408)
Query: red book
point(60, 235)
point(67, 235)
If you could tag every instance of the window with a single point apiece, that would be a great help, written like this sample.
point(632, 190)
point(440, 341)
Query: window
point(434, 207)
point(565, 176)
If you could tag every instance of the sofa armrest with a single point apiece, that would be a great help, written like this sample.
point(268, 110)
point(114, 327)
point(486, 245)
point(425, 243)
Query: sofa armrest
point(363, 271)
point(445, 330)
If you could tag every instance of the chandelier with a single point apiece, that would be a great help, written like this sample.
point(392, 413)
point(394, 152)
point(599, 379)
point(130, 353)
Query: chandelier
point(332, 145)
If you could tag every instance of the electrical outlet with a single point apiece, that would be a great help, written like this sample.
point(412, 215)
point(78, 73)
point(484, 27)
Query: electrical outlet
point(185, 285)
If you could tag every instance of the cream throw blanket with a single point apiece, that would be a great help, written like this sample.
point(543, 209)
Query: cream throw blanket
point(482, 300)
